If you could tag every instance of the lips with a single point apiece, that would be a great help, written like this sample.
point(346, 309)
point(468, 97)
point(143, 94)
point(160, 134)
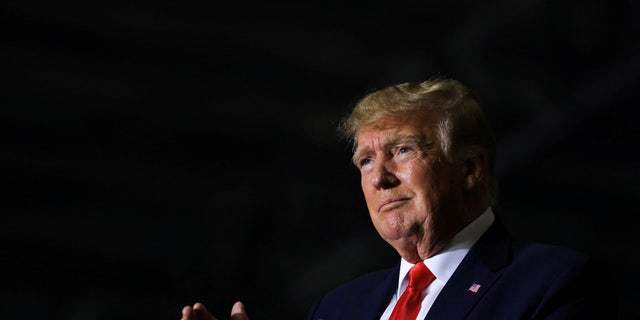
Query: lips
point(390, 202)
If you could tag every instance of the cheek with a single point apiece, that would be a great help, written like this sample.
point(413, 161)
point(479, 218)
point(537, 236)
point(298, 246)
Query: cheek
point(367, 195)
point(426, 198)
point(416, 174)
point(368, 192)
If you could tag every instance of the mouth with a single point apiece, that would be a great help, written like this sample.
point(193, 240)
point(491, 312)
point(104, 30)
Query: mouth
point(391, 203)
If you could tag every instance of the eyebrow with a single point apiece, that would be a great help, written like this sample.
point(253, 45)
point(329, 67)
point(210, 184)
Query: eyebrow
point(392, 141)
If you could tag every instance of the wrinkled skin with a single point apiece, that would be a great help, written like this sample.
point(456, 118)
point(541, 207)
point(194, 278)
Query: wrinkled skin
point(418, 199)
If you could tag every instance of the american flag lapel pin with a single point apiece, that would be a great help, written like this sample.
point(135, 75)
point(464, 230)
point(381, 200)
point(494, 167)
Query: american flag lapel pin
point(474, 288)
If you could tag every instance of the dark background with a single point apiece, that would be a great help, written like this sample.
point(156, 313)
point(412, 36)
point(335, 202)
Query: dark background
point(161, 153)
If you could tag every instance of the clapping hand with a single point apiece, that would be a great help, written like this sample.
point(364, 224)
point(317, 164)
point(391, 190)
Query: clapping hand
point(199, 312)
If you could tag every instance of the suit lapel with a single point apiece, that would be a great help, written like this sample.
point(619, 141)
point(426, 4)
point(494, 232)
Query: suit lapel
point(480, 267)
point(371, 303)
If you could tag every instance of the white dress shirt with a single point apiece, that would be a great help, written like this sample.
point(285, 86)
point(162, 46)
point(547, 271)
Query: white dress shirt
point(443, 264)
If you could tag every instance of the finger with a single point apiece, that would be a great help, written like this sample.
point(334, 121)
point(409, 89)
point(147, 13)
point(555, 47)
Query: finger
point(202, 313)
point(238, 312)
point(186, 313)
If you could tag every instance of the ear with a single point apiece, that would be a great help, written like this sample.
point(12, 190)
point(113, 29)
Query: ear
point(475, 169)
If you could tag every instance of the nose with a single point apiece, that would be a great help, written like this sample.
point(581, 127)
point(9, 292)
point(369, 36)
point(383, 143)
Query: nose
point(383, 177)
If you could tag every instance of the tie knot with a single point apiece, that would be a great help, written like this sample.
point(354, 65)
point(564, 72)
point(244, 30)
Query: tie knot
point(409, 304)
point(420, 276)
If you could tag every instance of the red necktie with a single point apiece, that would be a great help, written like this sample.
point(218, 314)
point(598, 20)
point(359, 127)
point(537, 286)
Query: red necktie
point(410, 302)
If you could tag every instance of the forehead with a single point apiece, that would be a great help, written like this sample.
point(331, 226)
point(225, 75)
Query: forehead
point(389, 129)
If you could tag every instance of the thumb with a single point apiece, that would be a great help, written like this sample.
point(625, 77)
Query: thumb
point(238, 312)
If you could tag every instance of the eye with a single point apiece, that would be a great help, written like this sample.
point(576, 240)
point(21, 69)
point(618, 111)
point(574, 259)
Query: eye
point(364, 161)
point(404, 149)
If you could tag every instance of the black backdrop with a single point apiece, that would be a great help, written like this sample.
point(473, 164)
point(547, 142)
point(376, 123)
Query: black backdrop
point(157, 154)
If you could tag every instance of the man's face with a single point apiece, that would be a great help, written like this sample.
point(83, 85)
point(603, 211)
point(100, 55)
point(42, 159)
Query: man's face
point(411, 189)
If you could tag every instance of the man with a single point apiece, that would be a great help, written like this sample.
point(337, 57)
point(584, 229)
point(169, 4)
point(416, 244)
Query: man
point(426, 154)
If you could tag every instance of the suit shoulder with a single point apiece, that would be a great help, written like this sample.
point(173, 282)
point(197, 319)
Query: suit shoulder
point(556, 260)
point(363, 297)
point(366, 281)
point(535, 250)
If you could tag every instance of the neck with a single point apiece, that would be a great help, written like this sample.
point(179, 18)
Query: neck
point(427, 243)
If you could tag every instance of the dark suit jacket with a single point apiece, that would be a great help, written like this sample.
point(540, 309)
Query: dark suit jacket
point(518, 280)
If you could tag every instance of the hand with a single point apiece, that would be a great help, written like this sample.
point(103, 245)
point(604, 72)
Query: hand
point(199, 312)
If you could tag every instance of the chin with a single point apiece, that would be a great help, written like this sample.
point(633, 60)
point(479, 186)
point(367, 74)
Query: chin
point(397, 234)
